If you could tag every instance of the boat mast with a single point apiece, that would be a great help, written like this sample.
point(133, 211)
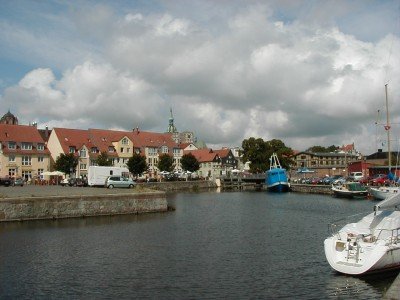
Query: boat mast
point(387, 127)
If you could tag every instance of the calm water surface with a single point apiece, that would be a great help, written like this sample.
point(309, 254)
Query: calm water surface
point(233, 245)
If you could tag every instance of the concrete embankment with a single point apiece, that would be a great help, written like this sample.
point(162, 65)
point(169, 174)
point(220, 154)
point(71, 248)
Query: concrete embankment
point(54, 207)
point(52, 202)
point(311, 189)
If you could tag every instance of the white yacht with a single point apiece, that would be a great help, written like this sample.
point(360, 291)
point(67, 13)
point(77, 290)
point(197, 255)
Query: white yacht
point(370, 245)
point(381, 193)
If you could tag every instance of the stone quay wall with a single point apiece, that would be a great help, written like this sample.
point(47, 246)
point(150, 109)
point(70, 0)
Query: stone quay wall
point(54, 207)
point(311, 189)
point(170, 186)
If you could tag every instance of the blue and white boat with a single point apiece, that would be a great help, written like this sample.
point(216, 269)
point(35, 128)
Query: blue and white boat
point(276, 177)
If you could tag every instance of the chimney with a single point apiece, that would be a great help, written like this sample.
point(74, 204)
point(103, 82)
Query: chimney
point(46, 132)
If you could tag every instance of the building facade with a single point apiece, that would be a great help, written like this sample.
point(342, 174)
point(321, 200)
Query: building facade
point(23, 152)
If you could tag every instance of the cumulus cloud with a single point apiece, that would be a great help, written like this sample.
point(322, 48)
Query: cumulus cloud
point(247, 73)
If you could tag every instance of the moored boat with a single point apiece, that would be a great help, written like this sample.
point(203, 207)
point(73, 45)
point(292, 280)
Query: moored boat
point(370, 245)
point(381, 193)
point(350, 190)
point(276, 178)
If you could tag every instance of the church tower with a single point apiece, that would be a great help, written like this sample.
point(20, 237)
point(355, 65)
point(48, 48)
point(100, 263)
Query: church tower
point(172, 129)
point(171, 126)
point(9, 118)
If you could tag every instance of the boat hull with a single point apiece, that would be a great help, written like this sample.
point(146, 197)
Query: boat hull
point(371, 259)
point(279, 187)
point(383, 192)
point(349, 194)
point(276, 180)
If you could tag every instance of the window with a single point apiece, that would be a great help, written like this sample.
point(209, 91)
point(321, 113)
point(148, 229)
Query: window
point(122, 150)
point(11, 172)
point(11, 158)
point(164, 149)
point(94, 150)
point(40, 172)
point(27, 175)
point(71, 149)
point(110, 149)
point(82, 153)
point(11, 145)
point(26, 146)
point(40, 147)
point(128, 150)
point(125, 141)
point(40, 159)
point(26, 160)
point(82, 167)
point(152, 151)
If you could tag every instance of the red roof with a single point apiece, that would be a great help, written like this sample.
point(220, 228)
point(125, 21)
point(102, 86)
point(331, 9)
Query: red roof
point(21, 134)
point(103, 139)
point(203, 155)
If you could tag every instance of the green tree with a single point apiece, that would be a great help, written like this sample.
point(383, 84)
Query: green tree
point(322, 149)
point(258, 152)
point(103, 159)
point(190, 163)
point(255, 151)
point(137, 164)
point(66, 163)
point(165, 163)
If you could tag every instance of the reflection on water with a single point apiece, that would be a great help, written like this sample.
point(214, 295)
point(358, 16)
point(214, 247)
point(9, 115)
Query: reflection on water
point(230, 245)
point(348, 287)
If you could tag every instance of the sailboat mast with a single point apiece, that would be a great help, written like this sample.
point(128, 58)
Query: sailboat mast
point(387, 127)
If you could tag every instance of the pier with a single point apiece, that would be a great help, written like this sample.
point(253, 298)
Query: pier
point(254, 181)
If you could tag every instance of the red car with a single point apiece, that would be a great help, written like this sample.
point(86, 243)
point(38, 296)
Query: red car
point(379, 179)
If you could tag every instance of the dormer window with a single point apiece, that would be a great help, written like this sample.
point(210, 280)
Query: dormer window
point(26, 146)
point(71, 149)
point(93, 150)
point(125, 141)
point(164, 149)
point(82, 153)
point(11, 145)
point(40, 147)
point(110, 149)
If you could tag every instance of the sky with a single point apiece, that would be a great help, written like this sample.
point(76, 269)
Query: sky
point(306, 72)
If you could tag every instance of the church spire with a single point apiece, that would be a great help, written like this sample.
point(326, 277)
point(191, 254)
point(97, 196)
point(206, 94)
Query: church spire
point(171, 126)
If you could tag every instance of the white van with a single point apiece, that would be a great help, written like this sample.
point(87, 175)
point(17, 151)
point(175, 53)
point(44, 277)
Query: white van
point(356, 175)
point(97, 175)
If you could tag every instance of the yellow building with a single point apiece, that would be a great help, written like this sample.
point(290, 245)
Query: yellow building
point(23, 152)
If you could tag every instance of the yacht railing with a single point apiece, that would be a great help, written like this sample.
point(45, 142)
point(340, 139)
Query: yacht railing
point(393, 238)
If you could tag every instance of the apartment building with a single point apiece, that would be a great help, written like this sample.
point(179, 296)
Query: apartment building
point(23, 152)
point(87, 145)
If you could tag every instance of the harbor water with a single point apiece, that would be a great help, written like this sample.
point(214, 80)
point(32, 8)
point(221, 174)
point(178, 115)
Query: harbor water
point(229, 245)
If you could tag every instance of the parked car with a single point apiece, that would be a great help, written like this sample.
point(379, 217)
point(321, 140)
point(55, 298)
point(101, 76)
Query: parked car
point(77, 182)
point(119, 182)
point(379, 179)
point(340, 180)
point(356, 176)
point(5, 181)
point(18, 181)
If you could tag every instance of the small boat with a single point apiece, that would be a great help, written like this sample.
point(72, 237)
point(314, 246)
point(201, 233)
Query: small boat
point(349, 190)
point(370, 245)
point(381, 193)
point(276, 177)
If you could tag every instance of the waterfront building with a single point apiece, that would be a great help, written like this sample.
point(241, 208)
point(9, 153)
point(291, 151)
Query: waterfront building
point(119, 146)
point(209, 162)
point(325, 163)
point(228, 160)
point(23, 152)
